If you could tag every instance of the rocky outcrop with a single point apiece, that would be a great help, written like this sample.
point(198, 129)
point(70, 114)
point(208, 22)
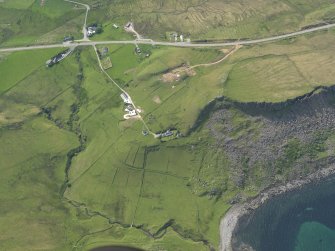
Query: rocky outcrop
point(293, 135)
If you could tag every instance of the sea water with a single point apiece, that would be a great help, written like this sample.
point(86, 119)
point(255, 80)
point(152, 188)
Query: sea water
point(301, 220)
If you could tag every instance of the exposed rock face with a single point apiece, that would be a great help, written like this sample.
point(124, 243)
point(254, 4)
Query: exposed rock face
point(294, 135)
point(291, 142)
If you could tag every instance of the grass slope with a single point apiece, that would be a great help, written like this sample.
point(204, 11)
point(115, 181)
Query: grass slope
point(213, 19)
point(32, 214)
point(19, 65)
point(85, 177)
point(24, 22)
point(281, 71)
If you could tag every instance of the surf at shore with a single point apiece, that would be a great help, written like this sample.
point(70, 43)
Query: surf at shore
point(239, 215)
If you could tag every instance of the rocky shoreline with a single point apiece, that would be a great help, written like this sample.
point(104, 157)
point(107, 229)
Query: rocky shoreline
point(230, 221)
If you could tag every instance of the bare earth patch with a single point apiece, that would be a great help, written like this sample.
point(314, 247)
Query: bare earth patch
point(15, 116)
point(177, 74)
point(225, 50)
point(157, 100)
point(188, 71)
point(106, 63)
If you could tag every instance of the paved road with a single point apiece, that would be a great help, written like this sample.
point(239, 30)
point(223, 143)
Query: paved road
point(177, 44)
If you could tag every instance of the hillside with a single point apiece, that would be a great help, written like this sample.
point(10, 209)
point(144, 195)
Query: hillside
point(104, 182)
point(150, 145)
point(34, 21)
point(213, 19)
point(37, 21)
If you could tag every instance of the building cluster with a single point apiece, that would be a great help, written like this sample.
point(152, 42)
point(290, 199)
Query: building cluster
point(94, 29)
point(130, 110)
point(91, 30)
point(59, 57)
point(137, 49)
point(129, 26)
point(103, 53)
point(68, 39)
point(168, 134)
point(176, 37)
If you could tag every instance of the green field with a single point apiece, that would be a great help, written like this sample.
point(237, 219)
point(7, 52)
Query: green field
point(17, 66)
point(30, 22)
point(213, 19)
point(277, 72)
point(116, 173)
point(35, 21)
point(17, 4)
point(76, 175)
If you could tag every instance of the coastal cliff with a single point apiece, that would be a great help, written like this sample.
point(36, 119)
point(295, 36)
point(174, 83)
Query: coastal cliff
point(272, 147)
point(240, 214)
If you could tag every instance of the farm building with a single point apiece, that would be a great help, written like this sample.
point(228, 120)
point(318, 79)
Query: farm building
point(59, 57)
point(91, 31)
point(68, 39)
point(126, 99)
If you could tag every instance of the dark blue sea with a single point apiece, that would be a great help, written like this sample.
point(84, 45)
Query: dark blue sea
point(301, 220)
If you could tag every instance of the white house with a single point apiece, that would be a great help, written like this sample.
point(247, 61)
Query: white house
point(132, 113)
point(126, 99)
point(129, 108)
point(91, 31)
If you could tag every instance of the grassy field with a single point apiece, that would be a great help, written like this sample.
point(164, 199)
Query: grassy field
point(112, 33)
point(136, 180)
point(30, 183)
point(262, 73)
point(76, 175)
point(32, 167)
point(17, 4)
point(119, 176)
point(213, 19)
point(34, 21)
point(28, 22)
point(277, 72)
point(18, 65)
point(116, 174)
